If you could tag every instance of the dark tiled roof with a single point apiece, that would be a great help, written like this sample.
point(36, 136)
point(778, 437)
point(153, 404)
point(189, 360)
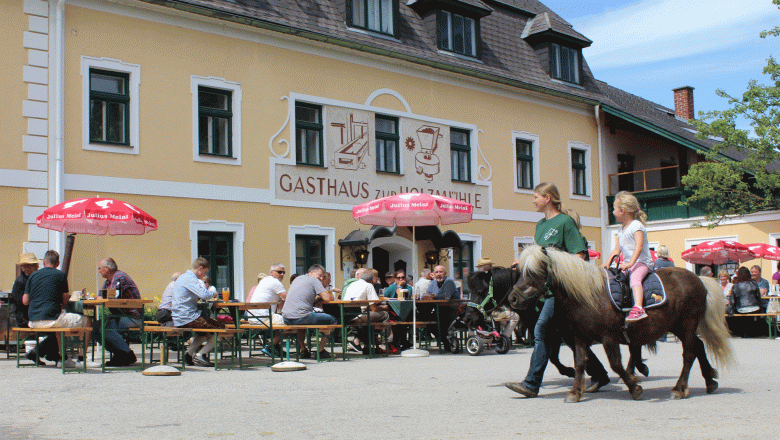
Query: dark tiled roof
point(504, 56)
point(546, 22)
point(651, 113)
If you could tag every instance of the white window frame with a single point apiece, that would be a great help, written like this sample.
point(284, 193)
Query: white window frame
point(477, 240)
point(237, 229)
point(521, 240)
point(330, 244)
point(534, 140)
point(588, 171)
point(220, 84)
point(133, 89)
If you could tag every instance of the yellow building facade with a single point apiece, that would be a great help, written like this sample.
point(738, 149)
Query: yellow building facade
point(241, 187)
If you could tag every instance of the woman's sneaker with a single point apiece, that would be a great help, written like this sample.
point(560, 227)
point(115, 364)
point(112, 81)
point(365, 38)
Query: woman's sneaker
point(636, 314)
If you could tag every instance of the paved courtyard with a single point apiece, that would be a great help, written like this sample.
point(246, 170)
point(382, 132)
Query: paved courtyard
point(438, 397)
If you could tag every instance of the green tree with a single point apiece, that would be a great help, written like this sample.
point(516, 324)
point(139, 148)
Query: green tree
point(722, 187)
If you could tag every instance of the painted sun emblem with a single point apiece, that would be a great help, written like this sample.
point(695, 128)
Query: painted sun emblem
point(410, 144)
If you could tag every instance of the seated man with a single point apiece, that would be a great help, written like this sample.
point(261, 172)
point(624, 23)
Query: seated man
point(187, 290)
point(123, 319)
point(164, 316)
point(48, 347)
point(299, 307)
point(362, 290)
point(443, 287)
point(269, 289)
point(47, 296)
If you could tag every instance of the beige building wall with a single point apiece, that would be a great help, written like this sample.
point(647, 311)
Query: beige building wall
point(162, 178)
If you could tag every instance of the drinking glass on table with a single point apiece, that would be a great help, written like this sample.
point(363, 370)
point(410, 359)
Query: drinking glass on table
point(225, 294)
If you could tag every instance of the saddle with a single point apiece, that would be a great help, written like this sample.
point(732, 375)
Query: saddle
point(620, 292)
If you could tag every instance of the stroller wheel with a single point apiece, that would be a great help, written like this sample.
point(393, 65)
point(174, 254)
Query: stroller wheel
point(455, 347)
point(474, 345)
point(503, 344)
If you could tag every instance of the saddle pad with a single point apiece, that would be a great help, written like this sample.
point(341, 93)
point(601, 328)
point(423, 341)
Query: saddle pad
point(651, 284)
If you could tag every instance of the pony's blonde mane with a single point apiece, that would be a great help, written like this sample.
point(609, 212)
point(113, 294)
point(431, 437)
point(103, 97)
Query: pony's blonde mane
point(583, 281)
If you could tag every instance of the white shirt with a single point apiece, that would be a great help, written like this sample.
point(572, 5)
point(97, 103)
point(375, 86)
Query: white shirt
point(360, 290)
point(628, 245)
point(267, 290)
point(421, 287)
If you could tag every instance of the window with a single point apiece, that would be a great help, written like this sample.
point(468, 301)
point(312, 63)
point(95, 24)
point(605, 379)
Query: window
point(109, 99)
point(460, 153)
point(217, 247)
point(308, 134)
point(578, 169)
point(110, 108)
point(309, 250)
point(564, 63)
point(387, 154)
point(373, 15)
point(215, 122)
point(525, 164)
point(457, 33)
point(462, 264)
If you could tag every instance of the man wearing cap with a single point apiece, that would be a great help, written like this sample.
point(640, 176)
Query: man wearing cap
point(48, 347)
point(502, 312)
point(47, 296)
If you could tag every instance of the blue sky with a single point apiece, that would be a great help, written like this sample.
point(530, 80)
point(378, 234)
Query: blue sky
point(649, 47)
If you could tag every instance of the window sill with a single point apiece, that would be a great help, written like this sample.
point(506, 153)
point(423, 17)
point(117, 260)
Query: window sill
point(373, 33)
point(111, 148)
point(566, 83)
point(461, 56)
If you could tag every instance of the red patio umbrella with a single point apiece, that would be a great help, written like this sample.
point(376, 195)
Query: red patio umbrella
point(96, 216)
point(413, 209)
point(764, 250)
point(718, 252)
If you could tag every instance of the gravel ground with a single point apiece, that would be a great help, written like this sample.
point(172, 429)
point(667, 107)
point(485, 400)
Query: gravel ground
point(439, 397)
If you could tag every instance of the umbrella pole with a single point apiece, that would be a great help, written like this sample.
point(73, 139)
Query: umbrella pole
point(414, 352)
point(97, 258)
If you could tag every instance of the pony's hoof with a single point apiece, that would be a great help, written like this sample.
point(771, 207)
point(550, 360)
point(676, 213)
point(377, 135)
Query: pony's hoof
point(567, 371)
point(596, 385)
point(636, 393)
point(711, 387)
point(677, 395)
point(642, 368)
point(572, 398)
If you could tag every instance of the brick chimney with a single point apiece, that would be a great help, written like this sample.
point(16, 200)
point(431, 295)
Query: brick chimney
point(683, 102)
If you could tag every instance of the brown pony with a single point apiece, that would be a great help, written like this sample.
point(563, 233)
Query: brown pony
point(693, 305)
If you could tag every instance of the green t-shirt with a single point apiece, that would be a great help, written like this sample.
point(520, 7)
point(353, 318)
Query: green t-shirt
point(560, 232)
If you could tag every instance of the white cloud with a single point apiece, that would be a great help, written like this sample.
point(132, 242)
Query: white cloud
point(656, 30)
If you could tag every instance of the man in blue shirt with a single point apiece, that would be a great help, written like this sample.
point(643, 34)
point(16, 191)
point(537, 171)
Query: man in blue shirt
point(187, 291)
point(443, 287)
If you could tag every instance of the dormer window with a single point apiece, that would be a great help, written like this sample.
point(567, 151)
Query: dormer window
point(373, 15)
point(457, 33)
point(564, 63)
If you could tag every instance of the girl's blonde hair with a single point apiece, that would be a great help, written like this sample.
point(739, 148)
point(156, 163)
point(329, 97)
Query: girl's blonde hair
point(627, 202)
point(549, 189)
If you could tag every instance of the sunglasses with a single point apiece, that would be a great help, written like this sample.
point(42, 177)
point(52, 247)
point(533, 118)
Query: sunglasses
point(280, 272)
point(400, 278)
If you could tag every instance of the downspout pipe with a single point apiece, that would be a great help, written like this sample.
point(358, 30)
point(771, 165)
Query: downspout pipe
point(603, 190)
point(57, 192)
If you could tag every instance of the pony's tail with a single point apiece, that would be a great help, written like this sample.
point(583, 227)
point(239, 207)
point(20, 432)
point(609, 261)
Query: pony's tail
point(712, 328)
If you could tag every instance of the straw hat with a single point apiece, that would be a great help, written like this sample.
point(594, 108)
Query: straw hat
point(484, 262)
point(28, 258)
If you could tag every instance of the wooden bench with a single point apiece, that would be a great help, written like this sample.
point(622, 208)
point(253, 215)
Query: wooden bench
point(62, 334)
point(163, 332)
point(229, 335)
point(293, 330)
point(767, 316)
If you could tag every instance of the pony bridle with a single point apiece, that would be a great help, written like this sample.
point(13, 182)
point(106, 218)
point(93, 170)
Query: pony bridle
point(488, 299)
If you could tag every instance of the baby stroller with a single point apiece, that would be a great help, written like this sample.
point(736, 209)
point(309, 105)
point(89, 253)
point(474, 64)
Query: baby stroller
point(479, 338)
